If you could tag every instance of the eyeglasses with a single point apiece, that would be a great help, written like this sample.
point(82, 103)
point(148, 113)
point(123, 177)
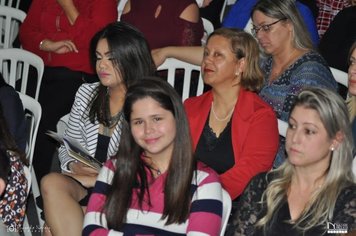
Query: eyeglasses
point(265, 28)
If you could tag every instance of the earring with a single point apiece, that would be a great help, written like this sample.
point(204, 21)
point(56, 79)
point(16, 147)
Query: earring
point(332, 149)
point(237, 74)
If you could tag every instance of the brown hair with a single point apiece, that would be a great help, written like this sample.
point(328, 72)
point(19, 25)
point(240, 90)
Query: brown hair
point(243, 45)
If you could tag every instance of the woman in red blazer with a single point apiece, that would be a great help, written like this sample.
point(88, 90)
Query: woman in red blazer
point(233, 130)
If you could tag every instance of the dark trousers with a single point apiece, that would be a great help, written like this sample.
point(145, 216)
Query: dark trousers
point(58, 88)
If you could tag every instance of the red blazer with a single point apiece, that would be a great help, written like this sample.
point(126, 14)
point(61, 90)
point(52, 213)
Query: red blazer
point(254, 133)
point(46, 19)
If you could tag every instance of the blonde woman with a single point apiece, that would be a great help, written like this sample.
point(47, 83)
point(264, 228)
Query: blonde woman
point(314, 190)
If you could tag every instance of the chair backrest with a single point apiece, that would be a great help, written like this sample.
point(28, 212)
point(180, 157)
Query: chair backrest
point(282, 128)
point(340, 76)
point(10, 18)
point(171, 65)
point(10, 3)
point(208, 29)
point(15, 64)
point(33, 111)
point(248, 26)
point(227, 205)
point(223, 9)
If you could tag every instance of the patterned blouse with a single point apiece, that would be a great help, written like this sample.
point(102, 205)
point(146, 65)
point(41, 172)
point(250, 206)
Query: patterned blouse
point(13, 202)
point(310, 70)
point(249, 211)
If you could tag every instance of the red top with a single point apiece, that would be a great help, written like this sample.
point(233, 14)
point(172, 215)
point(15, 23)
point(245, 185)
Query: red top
point(47, 20)
point(254, 133)
point(168, 29)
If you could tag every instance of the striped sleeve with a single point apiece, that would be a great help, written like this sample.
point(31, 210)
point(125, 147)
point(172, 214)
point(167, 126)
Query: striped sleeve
point(206, 209)
point(73, 130)
point(95, 221)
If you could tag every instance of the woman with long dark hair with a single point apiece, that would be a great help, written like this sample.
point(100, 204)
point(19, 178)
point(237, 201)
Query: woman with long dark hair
point(154, 185)
point(120, 54)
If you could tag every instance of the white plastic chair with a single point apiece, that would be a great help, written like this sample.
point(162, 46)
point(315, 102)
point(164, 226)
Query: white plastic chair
point(282, 128)
point(10, 3)
point(15, 64)
point(223, 9)
point(171, 65)
point(10, 18)
point(34, 112)
point(248, 26)
point(26, 225)
point(340, 76)
point(208, 29)
point(227, 205)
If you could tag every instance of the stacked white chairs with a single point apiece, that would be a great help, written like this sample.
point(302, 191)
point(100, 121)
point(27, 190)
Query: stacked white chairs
point(15, 64)
point(340, 76)
point(171, 65)
point(33, 112)
point(10, 19)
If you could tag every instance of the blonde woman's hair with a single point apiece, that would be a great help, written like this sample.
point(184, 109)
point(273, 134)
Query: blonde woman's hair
point(351, 101)
point(287, 9)
point(338, 176)
point(243, 45)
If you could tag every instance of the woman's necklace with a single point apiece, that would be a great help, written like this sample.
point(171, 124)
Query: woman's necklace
point(158, 172)
point(276, 74)
point(221, 119)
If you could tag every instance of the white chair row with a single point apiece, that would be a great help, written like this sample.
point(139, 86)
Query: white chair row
point(33, 113)
point(15, 64)
point(10, 19)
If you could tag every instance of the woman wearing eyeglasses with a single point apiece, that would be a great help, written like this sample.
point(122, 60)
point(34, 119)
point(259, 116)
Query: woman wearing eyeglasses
point(291, 63)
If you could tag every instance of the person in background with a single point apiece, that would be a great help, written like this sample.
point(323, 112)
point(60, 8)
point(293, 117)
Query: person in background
point(291, 63)
point(338, 38)
point(59, 31)
point(351, 102)
point(240, 14)
point(13, 182)
point(166, 23)
point(328, 9)
point(13, 113)
point(120, 54)
point(154, 186)
point(233, 130)
point(314, 189)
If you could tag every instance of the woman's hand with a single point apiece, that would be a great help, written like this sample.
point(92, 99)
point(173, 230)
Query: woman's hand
point(59, 47)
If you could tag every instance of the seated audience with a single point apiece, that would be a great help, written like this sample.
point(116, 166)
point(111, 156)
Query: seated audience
point(166, 23)
point(13, 182)
point(121, 56)
point(351, 102)
point(315, 186)
point(154, 186)
point(338, 38)
point(291, 62)
point(59, 31)
point(240, 13)
point(13, 113)
point(233, 130)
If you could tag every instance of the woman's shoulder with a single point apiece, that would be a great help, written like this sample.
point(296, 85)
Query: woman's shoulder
point(195, 102)
point(345, 207)
point(311, 59)
point(86, 91)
